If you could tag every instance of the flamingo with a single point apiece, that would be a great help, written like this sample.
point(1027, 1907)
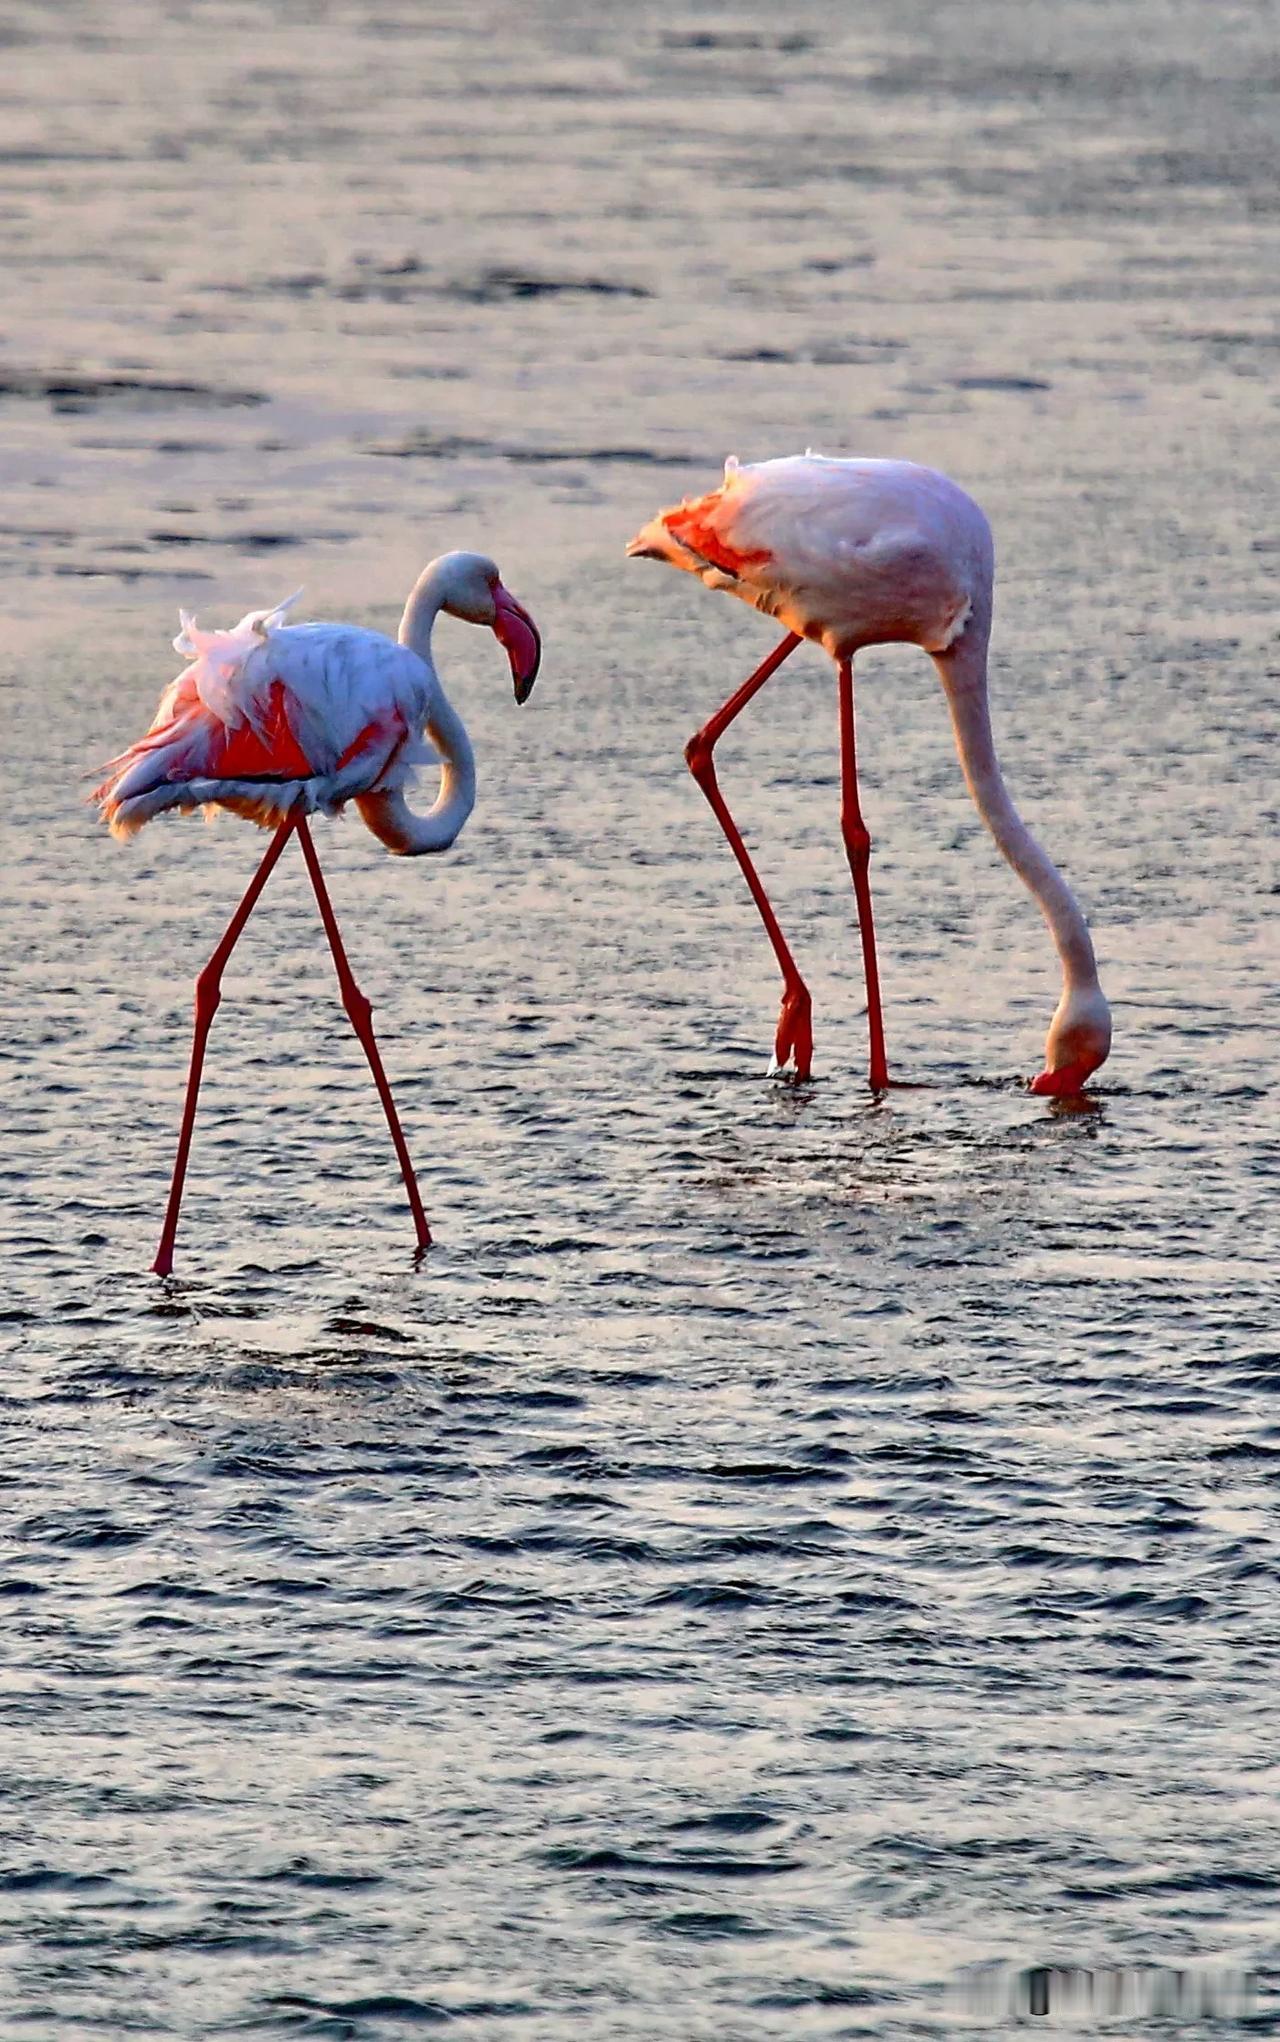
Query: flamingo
point(852, 553)
point(279, 721)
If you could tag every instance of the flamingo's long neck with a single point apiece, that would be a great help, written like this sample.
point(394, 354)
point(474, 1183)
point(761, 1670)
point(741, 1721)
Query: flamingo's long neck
point(388, 814)
point(964, 676)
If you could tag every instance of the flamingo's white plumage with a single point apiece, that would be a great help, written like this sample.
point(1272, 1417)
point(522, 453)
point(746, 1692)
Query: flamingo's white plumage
point(852, 553)
point(272, 718)
point(279, 721)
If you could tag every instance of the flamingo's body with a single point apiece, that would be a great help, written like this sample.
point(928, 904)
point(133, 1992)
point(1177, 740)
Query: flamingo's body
point(272, 719)
point(276, 722)
point(852, 553)
point(269, 715)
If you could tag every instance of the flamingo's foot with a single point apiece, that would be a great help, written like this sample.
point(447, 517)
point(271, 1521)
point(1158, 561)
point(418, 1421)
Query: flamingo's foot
point(793, 1043)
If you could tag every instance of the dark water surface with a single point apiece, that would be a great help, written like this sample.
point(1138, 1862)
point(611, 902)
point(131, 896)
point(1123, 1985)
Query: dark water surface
point(782, 1550)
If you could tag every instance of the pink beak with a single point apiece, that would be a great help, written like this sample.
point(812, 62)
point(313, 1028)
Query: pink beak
point(515, 629)
point(1065, 1083)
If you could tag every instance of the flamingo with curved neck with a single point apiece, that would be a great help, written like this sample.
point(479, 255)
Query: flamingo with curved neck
point(276, 722)
point(386, 811)
point(852, 553)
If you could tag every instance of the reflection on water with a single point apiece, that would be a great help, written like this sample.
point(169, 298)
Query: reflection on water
point(782, 1550)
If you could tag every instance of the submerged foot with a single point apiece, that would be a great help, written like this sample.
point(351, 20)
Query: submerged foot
point(793, 1043)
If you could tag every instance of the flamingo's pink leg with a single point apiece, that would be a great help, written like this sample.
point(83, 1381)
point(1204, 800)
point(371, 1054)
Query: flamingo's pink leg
point(795, 1023)
point(359, 1012)
point(208, 997)
point(857, 844)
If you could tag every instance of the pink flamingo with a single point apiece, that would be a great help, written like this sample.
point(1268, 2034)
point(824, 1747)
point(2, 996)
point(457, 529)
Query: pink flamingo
point(858, 553)
point(275, 721)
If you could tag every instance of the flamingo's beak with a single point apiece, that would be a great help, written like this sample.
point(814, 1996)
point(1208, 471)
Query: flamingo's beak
point(1065, 1083)
point(515, 629)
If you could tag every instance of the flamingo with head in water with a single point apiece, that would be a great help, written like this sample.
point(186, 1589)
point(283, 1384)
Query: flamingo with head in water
point(853, 553)
point(279, 721)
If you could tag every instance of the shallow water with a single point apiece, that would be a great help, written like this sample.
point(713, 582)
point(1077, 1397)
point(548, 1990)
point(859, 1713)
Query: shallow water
point(782, 1550)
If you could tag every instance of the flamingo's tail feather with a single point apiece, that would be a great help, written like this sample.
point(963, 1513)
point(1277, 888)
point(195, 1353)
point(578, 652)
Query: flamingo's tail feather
point(266, 803)
point(156, 779)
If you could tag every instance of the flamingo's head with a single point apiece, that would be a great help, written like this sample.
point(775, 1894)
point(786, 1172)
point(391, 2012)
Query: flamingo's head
point(473, 590)
point(1079, 1040)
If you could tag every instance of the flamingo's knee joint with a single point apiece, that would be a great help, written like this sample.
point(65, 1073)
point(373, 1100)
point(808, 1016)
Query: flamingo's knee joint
point(208, 993)
point(699, 759)
point(359, 1007)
